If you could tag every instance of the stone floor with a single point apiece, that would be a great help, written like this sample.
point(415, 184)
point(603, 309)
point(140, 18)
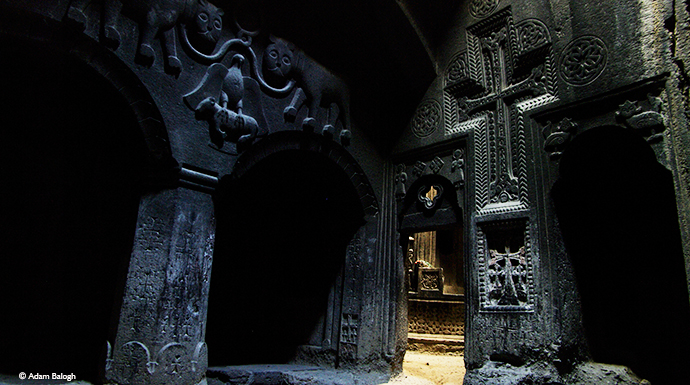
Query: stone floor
point(418, 369)
point(431, 368)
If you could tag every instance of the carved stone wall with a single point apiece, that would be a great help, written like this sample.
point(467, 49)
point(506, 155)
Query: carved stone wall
point(446, 318)
point(519, 81)
point(212, 100)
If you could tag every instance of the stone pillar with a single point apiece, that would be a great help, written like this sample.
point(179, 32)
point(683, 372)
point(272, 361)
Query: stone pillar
point(161, 330)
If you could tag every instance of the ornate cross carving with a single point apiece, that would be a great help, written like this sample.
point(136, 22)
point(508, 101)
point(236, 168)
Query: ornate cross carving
point(506, 74)
point(508, 277)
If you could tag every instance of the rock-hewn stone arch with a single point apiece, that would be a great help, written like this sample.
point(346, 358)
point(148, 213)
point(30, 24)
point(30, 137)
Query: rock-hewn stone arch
point(617, 213)
point(60, 38)
point(295, 140)
point(288, 221)
point(101, 142)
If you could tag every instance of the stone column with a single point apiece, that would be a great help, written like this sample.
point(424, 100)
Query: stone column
point(161, 329)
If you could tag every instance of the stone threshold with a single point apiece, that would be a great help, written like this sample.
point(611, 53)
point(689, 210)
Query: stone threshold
point(288, 374)
point(435, 339)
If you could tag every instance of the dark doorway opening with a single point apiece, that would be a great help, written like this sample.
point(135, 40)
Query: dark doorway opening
point(282, 233)
point(71, 154)
point(617, 212)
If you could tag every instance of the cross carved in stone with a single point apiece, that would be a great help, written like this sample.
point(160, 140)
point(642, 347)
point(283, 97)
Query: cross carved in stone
point(508, 277)
point(504, 77)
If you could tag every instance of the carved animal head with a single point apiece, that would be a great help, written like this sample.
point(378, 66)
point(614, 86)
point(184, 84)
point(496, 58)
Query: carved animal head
point(278, 62)
point(208, 25)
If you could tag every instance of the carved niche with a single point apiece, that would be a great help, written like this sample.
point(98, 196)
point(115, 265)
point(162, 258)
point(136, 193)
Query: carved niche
point(504, 258)
point(506, 71)
point(450, 166)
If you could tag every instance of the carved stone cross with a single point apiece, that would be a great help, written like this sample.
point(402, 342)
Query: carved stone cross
point(506, 71)
point(508, 277)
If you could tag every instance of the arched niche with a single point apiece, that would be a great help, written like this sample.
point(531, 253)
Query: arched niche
point(431, 201)
point(285, 221)
point(74, 158)
point(616, 208)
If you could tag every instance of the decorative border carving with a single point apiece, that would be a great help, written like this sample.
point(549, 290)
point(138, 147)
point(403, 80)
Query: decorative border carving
point(583, 60)
point(172, 359)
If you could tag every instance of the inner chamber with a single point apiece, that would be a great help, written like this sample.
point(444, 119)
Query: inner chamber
point(282, 234)
point(436, 296)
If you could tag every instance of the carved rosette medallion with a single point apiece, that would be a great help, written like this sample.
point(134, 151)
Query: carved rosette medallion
point(583, 60)
point(426, 119)
point(483, 8)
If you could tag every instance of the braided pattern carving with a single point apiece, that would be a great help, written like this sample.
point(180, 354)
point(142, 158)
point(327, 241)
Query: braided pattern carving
point(481, 152)
point(531, 34)
point(457, 69)
point(446, 318)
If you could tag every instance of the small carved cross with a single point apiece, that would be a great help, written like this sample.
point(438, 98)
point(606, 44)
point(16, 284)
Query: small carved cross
point(507, 273)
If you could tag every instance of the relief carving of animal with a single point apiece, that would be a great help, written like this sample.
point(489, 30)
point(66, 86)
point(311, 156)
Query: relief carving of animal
point(158, 18)
point(318, 87)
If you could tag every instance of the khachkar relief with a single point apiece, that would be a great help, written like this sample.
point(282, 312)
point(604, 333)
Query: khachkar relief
point(504, 258)
point(349, 332)
point(506, 71)
point(219, 98)
point(583, 60)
